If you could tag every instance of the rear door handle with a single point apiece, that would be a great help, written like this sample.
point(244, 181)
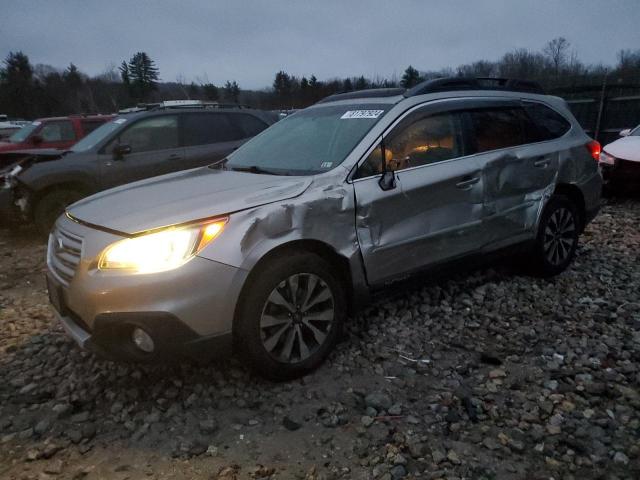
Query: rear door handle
point(174, 156)
point(542, 162)
point(467, 182)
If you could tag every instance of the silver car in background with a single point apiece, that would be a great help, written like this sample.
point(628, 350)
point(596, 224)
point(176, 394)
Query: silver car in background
point(271, 249)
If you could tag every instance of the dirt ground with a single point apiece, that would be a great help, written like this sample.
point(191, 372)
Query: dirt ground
point(486, 375)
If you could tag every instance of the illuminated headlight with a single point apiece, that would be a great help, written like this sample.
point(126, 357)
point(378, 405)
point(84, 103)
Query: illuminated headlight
point(607, 159)
point(160, 251)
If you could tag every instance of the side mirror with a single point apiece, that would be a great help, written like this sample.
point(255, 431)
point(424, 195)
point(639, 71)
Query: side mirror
point(625, 132)
point(37, 139)
point(387, 180)
point(119, 151)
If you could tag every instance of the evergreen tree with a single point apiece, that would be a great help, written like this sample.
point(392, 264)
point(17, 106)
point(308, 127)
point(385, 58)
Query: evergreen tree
point(124, 72)
point(18, 90)
point(232, 91)
point(410, 77)
point(211, 92)
point(143, 76)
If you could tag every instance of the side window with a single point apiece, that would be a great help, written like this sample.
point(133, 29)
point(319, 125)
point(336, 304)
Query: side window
point(550, 124)
point(89, 126)
point(207, 128)
point(156, 133)
point(57, 131)
point(496, 128)
point(248, 124)
point(427, 140)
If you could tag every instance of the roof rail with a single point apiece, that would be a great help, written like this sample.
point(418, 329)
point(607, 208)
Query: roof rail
point(448, 84)
point(370, 93)
point(177, 104)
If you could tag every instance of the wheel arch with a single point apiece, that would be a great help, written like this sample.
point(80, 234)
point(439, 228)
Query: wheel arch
point(576, 196)
point(318, 247)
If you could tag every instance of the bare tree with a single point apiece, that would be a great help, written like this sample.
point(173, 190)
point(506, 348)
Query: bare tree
point(557, 51)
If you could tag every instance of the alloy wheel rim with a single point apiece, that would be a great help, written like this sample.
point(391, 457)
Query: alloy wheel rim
point(297, 318)
point(559, 236)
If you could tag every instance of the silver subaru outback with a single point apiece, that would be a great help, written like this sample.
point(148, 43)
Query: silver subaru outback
point(270, 249)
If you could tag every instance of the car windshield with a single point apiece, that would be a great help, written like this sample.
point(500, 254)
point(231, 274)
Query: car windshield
point(95, 137)
point(636, 131)
point(22, 134)
point(308, 142)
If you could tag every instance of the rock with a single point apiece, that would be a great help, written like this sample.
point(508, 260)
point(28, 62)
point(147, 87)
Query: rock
point(290, 424)
point(208, 426)
point(452, 456)
point(497, 373)
point(366, 420)
point(438, 456)
point(54, 467)
point(378, 400)
point(42, 426)
point(80, 417)
point(399, 460)
point(620, 457)
point(398, 471)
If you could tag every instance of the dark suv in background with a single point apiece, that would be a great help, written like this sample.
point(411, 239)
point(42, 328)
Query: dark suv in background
point(131, 147)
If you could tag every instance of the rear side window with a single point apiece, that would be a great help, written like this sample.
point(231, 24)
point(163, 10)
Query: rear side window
point(496, 128)
point(206, 128)
point(248, 124)
point(549, 123)
point(57, 131)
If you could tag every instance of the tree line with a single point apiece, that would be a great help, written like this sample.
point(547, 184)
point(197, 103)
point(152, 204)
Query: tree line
point(30, 91)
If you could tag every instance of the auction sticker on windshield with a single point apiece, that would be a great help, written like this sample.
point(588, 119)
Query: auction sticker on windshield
point(362, 114)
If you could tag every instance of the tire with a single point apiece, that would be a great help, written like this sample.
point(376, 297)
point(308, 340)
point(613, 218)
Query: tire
point(51, 206)
point(279, 338)
point(557, 238)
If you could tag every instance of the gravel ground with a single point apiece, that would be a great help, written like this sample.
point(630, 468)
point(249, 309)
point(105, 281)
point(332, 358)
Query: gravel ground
point(490, 375)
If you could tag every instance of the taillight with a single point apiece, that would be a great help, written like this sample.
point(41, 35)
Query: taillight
point(594, 149)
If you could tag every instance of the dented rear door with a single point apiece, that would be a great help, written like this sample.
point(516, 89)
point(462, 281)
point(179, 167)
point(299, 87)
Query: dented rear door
point(515, 172)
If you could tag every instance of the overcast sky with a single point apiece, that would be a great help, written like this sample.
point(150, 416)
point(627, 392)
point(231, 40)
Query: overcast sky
point(249, 40)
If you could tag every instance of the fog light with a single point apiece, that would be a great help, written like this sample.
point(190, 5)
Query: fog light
point(142, 340)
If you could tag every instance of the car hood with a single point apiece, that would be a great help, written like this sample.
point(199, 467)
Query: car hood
point(627, 148)
point(183, 197)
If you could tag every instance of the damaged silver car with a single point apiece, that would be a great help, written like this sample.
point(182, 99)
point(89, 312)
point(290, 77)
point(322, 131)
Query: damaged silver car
point(270, 249)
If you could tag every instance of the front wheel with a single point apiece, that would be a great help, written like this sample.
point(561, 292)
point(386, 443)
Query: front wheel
point(557, 237)
point(291, 316)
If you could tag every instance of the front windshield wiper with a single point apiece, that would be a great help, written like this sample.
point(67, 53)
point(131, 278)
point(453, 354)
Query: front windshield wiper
point(254, 169)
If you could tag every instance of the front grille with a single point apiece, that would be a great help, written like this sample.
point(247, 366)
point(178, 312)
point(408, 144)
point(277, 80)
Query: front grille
point(63, 254)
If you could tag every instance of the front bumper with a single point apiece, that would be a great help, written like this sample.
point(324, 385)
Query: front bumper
point(187, 311)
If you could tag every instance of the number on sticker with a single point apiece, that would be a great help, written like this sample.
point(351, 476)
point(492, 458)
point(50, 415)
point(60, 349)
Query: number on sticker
point(362, 114)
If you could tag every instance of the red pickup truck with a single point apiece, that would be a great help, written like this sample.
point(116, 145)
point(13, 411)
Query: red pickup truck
point(56, 132)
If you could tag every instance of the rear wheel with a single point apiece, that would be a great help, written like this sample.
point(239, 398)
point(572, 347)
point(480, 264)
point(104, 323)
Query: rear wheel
point(51, 206)
point(557, 238)
point(291, 316)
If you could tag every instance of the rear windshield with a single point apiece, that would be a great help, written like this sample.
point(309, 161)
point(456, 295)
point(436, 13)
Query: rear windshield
point(310, 141)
